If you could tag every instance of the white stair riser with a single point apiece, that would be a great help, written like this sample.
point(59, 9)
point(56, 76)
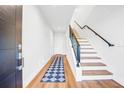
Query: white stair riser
point(82, 38)
point(86, 47)
point(90, 50)
point(90, 60)
point(84, 43)
point(89, 55)
point(93, 67)
point(97, 77)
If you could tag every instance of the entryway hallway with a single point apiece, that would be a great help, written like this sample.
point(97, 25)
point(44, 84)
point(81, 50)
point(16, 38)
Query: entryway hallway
point(61, 46)
point(58, 31)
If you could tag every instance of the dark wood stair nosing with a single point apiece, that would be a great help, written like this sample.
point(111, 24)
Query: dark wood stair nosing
point(92, 64)
point(95, 72)
point(90, 58)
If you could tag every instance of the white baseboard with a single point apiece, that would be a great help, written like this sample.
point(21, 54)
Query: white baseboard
point(118, 81)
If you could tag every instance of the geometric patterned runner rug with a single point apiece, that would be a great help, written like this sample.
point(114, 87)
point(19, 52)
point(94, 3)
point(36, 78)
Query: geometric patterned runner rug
point(55, 73)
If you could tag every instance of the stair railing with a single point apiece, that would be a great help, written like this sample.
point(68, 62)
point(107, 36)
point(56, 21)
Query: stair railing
point(75, 45)
point(109, 44)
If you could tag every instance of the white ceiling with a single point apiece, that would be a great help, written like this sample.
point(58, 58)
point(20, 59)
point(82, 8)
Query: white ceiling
point(58, 16)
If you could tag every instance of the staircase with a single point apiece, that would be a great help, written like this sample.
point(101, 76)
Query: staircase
point(91, 64)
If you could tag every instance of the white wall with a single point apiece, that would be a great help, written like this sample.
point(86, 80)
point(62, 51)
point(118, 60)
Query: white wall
point(81, 14)
point(108, 21)
point(59, 43)
point(37, 40)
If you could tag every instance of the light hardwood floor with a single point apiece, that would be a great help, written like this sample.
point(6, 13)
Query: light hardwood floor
point(70, 80)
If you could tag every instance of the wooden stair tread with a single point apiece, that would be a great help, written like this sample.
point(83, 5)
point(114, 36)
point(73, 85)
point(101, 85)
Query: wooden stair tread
point(90, 58)
point(84, 41)
point(95, 72)
point(92, 64)
point(79, 38)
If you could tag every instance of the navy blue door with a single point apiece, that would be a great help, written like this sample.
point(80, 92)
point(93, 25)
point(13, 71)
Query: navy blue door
point(10, 46)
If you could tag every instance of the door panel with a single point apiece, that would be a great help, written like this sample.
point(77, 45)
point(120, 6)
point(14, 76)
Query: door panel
point(7, 27)
point(8, 81)
point(7, 60)
point(9, 75)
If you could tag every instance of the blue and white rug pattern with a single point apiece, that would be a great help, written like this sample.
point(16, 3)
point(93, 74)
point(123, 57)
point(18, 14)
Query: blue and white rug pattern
point(55, 73)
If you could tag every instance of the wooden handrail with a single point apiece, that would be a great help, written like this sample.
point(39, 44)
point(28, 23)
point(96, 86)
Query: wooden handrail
point(109, 44)
point(74, 35)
